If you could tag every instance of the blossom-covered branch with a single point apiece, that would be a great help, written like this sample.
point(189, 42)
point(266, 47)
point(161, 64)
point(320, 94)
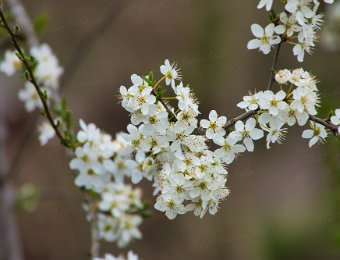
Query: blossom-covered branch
point(164, 142)
point(28, 64)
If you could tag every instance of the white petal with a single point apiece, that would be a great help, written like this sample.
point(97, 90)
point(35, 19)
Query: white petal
point(280, 95)
point(270, 29)
point(254, 44)
point(280, 29)
point(308, 134)
point(337, 113)
point(313, 141)
point(250, 124)
point(249, 144)
point(256, 134)
point(257, 30)
point(213, 115)
point(205, 123)
point(239, 126)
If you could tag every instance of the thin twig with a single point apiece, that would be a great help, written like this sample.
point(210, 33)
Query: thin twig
point(165, 105)
point(273, 68)
point(32, 79)
point(241, 117)
point(23, 20)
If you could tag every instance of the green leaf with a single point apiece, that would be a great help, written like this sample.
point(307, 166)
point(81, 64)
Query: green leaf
point(149, 79)
point(40, 23)
point(272, 15)
point(27, 197)
point(33, 61)
point(27, 75)
point(160, 92)
point(16, 29)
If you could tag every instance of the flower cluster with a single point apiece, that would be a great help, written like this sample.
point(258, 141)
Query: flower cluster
point(293, 104)
point(93, 157)
point(167, 149)
point(298, 24)
point(130, 256)
point(46, 70)
point(101, 165)
point(118, 220)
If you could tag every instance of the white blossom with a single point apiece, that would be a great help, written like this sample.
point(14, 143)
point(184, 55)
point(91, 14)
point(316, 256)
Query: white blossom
point(273, 102)
point(229, 148)
point(250, 102)
point(247, 132)
point(265, 38)
point(47, 70)
point(30, 97)
point(11, 63)
point(283, 76)
point(275, 133)
point(214, 126)
point(170, 72)
point(317, 133)
point(46, 132)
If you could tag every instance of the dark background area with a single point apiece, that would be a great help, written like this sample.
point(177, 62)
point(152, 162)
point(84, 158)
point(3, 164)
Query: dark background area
point(283, 202)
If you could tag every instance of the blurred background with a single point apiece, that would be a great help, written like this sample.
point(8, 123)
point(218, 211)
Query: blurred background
point(284, 202)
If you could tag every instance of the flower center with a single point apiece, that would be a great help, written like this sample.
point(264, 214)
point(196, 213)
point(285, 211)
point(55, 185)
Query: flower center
point(153, 120)
point(169, 75)
point(273, 102)
point(264, 39)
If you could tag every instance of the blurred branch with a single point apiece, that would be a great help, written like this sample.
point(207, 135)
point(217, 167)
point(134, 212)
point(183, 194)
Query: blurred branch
point(23, 20)
point(89, 40)
point(95, 245)
point(10, 246)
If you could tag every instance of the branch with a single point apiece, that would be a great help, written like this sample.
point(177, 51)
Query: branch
point(325, 123)
point(315, 119)
point(241, 117)
point(24, 21)
point(10, 245)
point(32, 79)
point(273, 68)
